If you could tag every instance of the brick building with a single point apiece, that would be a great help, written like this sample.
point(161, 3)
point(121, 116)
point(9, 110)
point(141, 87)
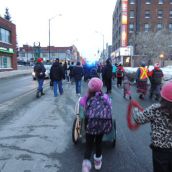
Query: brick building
point(8, 59)
point(133, 16)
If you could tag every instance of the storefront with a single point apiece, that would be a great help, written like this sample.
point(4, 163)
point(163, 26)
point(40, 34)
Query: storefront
point(8, 59)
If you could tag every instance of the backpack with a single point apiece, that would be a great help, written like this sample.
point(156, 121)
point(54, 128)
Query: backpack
point(119, 73)
point(98, 114)
point(38, 70)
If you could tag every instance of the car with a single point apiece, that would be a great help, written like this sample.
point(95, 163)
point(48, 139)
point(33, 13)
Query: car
point(47, 73)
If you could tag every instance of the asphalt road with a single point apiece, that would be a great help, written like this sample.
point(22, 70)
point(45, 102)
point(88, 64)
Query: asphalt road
point(38, 138)
point(13, 87)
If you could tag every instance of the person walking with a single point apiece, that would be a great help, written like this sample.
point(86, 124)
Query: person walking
point(40, 70)
point(155, 76)
point(107, 74)
point(141, 79)
point(119, 75)
point(96, 124)
point(159, 115)
point(71, 67)
point(114, 69)
point(78, 74)
point(57, 75)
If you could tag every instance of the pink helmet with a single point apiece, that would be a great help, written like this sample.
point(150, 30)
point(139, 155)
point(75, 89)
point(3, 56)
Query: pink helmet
point(166, 92)
point(95, 84)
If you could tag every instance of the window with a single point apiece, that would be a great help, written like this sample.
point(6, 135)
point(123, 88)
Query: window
point(170, 1)
point(160, 13)
point(170, 13)
point(132, 1)
point(148, 1)
point(161, 2)
point(147, 27)
point(131, 27)
point(5, 62)
point(147, 14)
point(159, 26)
point(5, 35)
point(131, 14)
point(170, 27)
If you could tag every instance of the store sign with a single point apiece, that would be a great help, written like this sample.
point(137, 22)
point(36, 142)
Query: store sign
point(124, 21)
point(7, 50)
point(125, 51)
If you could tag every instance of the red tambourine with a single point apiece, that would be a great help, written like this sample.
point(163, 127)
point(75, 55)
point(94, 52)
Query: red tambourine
point(132, 104)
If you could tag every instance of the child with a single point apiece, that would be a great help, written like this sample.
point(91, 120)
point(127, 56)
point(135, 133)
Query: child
point(98, 121)
point(160, 117)
point(127, 85)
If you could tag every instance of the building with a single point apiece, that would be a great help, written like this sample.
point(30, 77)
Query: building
point(30, 53)
point(8, 59)
point(134, 16)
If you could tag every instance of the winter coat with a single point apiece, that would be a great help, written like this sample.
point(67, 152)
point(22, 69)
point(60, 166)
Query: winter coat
point(78, 73)
point(161, 125)
point(39, 70)
point(57, 72)
point(107, 72)
point(156, 76)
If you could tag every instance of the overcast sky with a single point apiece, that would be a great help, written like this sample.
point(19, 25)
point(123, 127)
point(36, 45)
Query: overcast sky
point(77, 25)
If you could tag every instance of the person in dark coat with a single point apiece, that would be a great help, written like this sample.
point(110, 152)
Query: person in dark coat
point(78, 73)
point(40, 70)
point(107, 75)
point(57, 75)
point(119, 75)
point(71, 67)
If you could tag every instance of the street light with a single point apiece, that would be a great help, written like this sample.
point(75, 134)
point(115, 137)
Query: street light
point(161, 58)
point(103, 41)
point(49, 22)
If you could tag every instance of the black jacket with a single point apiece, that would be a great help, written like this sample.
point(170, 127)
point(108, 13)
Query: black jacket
point(78, 73)
point(39, 70)
point(107, 72)
point(57, 72)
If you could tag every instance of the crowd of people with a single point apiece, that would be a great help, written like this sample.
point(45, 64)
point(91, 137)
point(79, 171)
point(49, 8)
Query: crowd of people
point(97, 105)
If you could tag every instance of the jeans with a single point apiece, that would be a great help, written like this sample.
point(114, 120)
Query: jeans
point(90, 140)
point(40, 85)
point(162, 161)
point(59, 85)
point(78, 86)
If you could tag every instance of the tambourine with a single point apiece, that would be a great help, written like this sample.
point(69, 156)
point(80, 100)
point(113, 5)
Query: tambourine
point(133, 104)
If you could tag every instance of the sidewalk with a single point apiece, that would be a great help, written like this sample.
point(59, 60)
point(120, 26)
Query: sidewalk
point(14, 73)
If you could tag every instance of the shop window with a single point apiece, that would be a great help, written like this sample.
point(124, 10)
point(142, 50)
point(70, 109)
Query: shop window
point(5, 35)
point(170, 1)
point(132, 1)
point(5, 62)
point(131, 27)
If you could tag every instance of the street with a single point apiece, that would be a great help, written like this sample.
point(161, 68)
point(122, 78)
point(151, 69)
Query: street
point(38, 137)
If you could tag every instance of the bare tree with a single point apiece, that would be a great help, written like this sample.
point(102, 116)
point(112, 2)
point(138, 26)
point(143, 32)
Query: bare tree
point(152, 44)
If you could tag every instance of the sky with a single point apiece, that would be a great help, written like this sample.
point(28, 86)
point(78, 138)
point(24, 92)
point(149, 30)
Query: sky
point(79, 22)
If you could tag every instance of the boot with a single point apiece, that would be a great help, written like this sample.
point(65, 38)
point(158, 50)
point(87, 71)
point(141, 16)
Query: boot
point(97, 162)
point(42, 93)
point(86, 165)
point(37, 94)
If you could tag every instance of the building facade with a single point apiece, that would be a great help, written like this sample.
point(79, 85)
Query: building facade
point(139, 16)
point(28, 53)
point(8, 58)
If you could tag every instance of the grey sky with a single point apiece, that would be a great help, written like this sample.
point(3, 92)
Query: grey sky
point(77, 25)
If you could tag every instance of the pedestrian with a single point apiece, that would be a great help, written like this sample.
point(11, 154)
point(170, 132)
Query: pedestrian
point(141, 80)
point(155, 76)
point(71, 67)
point(107, 74)
point(114, 69)
point(160, 117)
point(78, 74)
point(40, 70)
point(94, 73)
point(119, 75)
point(98, 121)
point(65, 69)
point(127, 87)
point(57, 75)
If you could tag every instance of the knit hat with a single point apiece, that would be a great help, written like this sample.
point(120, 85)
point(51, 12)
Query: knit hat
point(166, 92)
point(95, 84)
point(156, 65)
point(39, 60)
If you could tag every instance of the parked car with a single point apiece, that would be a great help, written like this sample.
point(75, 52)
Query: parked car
point(47, 73)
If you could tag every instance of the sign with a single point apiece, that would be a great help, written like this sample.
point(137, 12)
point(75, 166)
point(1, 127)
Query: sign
point(126, 51)
point(6, 50)
point(124, 22)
